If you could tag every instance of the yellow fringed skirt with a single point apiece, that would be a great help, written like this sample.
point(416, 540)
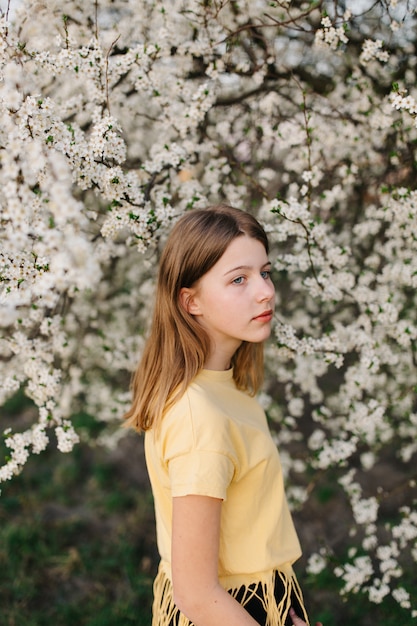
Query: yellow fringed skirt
point(268, 598)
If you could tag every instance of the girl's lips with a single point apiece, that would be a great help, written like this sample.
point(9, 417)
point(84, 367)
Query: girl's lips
point(266, 316)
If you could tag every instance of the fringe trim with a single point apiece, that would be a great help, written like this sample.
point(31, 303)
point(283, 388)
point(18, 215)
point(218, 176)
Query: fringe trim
point(166, 613)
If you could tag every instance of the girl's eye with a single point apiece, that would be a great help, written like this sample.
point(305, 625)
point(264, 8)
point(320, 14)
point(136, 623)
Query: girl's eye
point(238, 280)
point(266, 274)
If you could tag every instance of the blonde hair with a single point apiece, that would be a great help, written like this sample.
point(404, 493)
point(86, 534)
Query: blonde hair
point(178, 346)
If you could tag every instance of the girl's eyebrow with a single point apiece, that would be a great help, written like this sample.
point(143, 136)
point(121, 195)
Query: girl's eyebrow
point(246, 267)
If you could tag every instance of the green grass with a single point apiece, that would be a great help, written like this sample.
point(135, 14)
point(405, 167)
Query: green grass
point(76, 544)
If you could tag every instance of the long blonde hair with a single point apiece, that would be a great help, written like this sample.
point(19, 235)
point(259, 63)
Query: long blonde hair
point(178, 346)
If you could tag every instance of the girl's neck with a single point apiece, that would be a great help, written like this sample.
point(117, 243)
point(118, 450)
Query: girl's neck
point(218, 361)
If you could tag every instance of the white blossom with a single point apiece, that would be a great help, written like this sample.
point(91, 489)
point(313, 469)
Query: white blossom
point(317, 562)
point(355, 574)
point(373, 50)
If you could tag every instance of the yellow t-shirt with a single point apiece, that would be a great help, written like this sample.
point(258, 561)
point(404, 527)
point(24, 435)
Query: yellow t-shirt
point(215, 442)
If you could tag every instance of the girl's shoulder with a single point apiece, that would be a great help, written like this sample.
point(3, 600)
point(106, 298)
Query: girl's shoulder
point(213, 406)
point(197, 405)
point(195, 423)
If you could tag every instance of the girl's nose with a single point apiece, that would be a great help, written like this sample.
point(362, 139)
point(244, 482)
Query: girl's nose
point(266, 291)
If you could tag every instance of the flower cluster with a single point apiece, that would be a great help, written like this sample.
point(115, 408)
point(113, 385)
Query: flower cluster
point(372, 49)
point(329, 36)
point(402, 102)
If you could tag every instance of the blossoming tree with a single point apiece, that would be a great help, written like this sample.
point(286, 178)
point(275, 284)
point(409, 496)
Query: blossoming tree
point(118, 116)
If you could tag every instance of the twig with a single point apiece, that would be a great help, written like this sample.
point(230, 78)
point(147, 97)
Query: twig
point(275, 22)
point(308, 240)
point(96, 19)
point(107, 71)
point(308, 136)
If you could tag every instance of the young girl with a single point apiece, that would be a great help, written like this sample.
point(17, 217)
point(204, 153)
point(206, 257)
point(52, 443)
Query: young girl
point(224, 530)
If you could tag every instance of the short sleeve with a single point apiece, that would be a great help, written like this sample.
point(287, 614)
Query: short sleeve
point(200, 472)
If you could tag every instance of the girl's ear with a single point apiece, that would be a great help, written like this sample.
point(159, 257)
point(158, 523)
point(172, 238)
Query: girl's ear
point(189, 300)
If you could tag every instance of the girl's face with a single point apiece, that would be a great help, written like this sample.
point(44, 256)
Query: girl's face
point(234, 301)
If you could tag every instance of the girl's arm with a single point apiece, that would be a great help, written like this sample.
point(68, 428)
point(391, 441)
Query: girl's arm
point(195, 553)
